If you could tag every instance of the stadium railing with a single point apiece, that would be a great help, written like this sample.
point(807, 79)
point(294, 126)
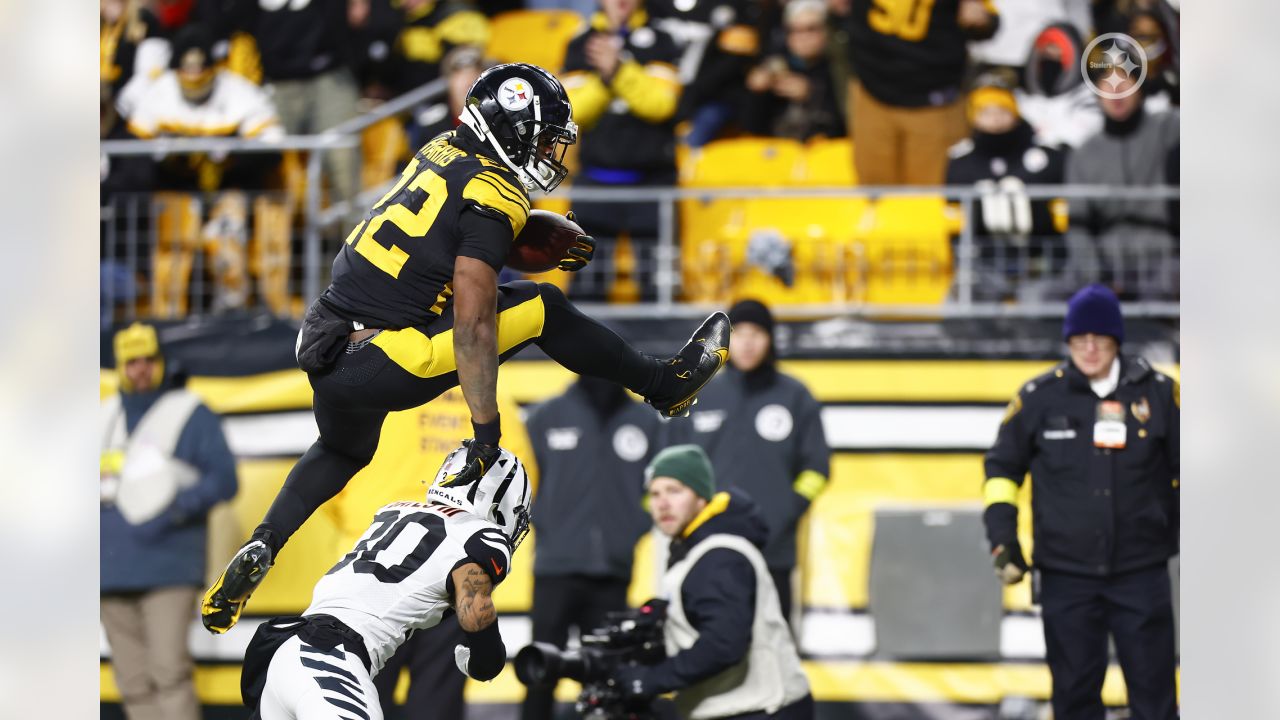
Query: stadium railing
point(847, 250)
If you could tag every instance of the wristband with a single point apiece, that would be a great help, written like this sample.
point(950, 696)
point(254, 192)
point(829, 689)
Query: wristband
point(488, 653)
point(488, 433)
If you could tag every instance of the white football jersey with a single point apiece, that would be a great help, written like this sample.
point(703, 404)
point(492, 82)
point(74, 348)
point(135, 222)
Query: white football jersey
point(236, 107)
point(397, 577)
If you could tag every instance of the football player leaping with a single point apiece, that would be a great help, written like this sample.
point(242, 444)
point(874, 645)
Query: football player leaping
point(414, 562)
point(415, 309)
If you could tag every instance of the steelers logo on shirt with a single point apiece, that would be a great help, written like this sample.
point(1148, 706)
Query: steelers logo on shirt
point(515, 94)
point(630, 443)
point(774, 422)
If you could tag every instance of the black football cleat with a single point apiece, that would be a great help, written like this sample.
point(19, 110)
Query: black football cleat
point(225, 600)
point(693, 367)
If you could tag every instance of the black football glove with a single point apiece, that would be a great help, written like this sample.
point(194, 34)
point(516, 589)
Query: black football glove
point(580, 253)
point(480, 457)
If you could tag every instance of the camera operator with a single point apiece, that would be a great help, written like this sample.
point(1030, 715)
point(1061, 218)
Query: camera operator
point(729, 650)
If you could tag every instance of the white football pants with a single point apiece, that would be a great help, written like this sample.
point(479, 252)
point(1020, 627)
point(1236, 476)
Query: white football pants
point(309, 683)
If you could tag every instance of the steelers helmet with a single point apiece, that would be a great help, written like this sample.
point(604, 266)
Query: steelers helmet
point(501, 496)
point(523, 113)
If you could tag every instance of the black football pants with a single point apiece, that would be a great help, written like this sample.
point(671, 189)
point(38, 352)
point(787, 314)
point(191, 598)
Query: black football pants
point(403, 369)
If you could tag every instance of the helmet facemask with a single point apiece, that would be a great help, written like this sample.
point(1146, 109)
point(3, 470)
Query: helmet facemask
point(525, 136)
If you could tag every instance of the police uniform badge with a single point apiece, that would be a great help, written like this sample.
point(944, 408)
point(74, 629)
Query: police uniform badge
point(1141, 410)
point(1108, 428)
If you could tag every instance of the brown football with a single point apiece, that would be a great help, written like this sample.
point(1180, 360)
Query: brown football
point(543, 242)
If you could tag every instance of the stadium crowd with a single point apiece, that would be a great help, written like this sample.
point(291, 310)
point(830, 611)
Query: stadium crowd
point(980, 94)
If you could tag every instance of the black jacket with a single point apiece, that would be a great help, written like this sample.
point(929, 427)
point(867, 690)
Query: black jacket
point(915, 59)
point(1014, 154)
point(614, 132)
point(1095, 511)
point(769, 114)
point(587, 511)
point(718, 595)
point(762, 431)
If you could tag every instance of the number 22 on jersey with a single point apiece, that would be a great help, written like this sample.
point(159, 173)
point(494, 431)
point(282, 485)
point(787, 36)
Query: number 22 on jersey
point(411, 206)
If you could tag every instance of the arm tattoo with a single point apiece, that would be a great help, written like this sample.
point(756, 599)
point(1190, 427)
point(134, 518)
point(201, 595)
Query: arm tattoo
point(475, 338)
point(474, 603)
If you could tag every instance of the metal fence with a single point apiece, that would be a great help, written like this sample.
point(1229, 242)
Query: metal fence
point(868, 251)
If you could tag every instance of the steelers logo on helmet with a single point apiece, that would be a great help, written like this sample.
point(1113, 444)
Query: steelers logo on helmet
point(523, 113)
point(515, 94)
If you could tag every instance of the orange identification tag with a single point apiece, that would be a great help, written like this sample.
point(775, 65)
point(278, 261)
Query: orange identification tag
point(1109, 430)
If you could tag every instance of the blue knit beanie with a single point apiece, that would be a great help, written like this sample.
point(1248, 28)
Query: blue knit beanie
point(1094, 309)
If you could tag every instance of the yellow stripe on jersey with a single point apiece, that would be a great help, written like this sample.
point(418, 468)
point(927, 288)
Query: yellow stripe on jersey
point(420, 44)
point(652, 91)
point(431, 356)
point(492, 191)
point(442, 298)
point(588, 96)
point(464, 28)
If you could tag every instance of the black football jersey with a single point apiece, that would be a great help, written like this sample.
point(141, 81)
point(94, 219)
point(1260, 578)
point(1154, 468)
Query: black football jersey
point(909, 53)
point(395, 269)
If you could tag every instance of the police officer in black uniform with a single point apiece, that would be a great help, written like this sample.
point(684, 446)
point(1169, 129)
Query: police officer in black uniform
point(415, 309)
point(1100, 436)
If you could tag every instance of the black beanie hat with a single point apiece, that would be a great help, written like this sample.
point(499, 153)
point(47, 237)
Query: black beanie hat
point(752, 311)
point(1094, 309)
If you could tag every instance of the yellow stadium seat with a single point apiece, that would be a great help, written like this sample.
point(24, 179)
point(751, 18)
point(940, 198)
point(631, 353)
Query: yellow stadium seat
point(905, 250)
point(705, 224)
point(384, 147)
point(225, 246)
point(177, 236)
point(829, 162)
point(269, 252)
point(750, 162)
point(532, 36)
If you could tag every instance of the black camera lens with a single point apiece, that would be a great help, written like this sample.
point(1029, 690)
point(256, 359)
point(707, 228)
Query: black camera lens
point(543, 664)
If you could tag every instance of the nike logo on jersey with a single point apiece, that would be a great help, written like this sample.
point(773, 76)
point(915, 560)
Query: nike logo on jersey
point(496, 570)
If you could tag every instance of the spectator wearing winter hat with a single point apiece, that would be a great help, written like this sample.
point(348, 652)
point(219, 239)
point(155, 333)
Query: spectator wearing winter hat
point(1018, 240)
point(1054, 98)
point(762, 430)
point(1099, 435)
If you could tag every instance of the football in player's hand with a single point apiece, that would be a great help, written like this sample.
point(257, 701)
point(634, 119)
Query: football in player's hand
point(543, 242)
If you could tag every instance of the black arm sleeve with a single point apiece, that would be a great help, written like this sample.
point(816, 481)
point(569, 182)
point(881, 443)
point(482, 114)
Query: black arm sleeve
point(489, 549)
point(719, 597)
point(488, 653)
point(486, 237)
